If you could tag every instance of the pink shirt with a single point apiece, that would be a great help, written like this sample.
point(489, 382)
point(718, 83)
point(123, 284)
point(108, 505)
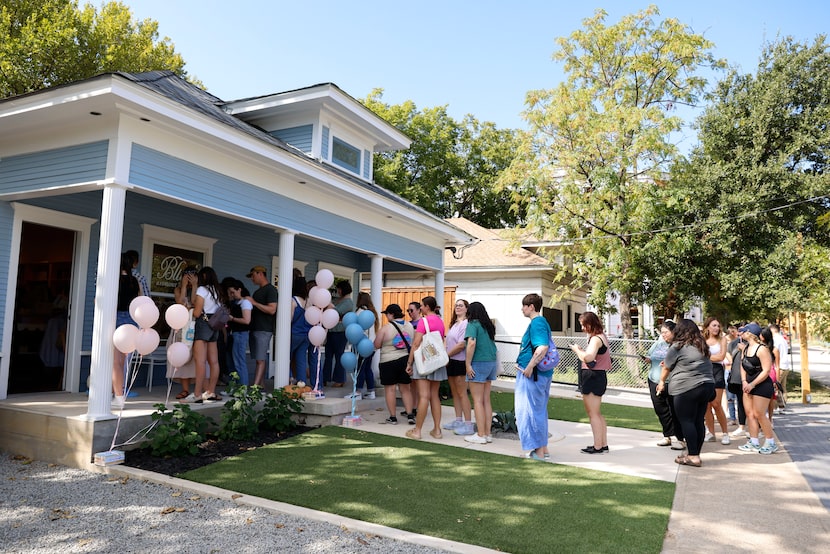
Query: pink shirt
point(435, 324)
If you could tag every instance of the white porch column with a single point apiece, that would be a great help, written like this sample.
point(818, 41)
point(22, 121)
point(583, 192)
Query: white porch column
point(106, 302)
point(285, 308)
point(439, 291)
point(376, 292)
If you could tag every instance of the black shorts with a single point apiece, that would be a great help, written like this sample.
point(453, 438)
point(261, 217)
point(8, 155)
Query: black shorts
point(456, 368)
point(719, 375)
point(765, 388)
point(594, 381)
point(394, 372)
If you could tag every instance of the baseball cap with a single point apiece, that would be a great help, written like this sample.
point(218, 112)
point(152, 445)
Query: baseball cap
point(393, 309)
point(257, 269)
point(753, 328)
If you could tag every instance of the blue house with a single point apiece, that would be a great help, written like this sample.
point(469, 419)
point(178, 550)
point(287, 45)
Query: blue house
point(152, 163)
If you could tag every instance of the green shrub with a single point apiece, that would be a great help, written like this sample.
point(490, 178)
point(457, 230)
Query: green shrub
point(505, 422)
point(278, 411)
point(177, 432)
point(240, 418)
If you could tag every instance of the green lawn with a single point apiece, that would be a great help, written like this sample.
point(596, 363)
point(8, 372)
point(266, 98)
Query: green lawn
point(475, 497)
point(570, 409)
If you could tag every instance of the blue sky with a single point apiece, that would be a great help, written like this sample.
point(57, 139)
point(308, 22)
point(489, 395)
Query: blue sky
point(478, 57)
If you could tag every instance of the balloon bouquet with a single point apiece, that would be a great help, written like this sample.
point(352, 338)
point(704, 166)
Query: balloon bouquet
point(362, 348)
point(129, 339)
point(321, 318)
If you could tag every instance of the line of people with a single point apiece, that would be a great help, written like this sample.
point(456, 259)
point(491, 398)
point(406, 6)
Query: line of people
point(688, 378)
point(250, 326)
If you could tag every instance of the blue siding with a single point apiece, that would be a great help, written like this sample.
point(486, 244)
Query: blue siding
point(6, 221)
point(324, 149)
point(51, 168)
point(180, 179)
point(367, 165)
point(299, 137)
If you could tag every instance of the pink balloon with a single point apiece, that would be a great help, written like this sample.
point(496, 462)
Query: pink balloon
point(147, 341)
point(324, 278)
point(331, 317)
point(178, 354)
point(176, 316)
point(317, 335)
point(138, 301)
point(312, 315)
point(146, 315)
point(320, 297)
point(124, 338)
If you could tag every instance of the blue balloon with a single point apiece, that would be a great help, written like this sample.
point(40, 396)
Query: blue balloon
point(366, 319)
point(348, 360)
point(354, 333)
point(365, 347)
point(349, 318)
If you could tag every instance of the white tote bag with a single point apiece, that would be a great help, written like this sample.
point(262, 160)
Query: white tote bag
point(431, 355)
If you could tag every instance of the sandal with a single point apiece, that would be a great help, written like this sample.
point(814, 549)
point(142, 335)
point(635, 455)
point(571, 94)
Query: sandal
point(435, 435)
point(685, 461)
point(411, 434)
point(182, 394)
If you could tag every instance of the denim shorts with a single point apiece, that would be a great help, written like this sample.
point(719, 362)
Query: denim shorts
point(204, 332)
point(484, 371)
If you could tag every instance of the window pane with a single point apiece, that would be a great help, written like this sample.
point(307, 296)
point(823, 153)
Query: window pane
point(345, 155)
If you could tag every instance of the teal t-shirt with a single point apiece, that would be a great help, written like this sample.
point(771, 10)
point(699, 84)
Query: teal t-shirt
point(485, 346)
point(537, 334)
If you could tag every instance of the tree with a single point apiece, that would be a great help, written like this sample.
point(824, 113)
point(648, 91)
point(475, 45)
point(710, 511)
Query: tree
point(451, 168)
point(599, 144)
point(758, 182)
point(44, 43)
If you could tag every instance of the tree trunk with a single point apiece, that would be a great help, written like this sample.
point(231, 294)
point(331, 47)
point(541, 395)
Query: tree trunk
point(631, 359)
point(806, 395)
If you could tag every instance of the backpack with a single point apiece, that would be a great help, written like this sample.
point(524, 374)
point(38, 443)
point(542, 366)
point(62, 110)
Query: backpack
point(551, 359)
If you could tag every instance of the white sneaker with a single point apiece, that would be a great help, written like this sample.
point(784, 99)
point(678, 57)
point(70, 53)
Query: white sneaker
point(475, 439)
point(356, 395)
point(189, 399)
point(739, 432)
point(118, 402)
point(369, 395)
point(709, 437)
point(725, 439)
point(489, 439)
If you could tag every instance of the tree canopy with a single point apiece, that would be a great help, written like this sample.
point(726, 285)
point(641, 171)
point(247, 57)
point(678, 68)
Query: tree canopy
point(44, 43)
point(452, 167)
point(599, 146)
point(758, 186)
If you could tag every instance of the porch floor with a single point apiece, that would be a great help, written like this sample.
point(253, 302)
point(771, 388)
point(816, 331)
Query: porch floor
point(50, 426)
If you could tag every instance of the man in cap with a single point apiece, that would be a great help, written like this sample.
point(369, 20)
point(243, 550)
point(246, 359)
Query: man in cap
point(263, 319)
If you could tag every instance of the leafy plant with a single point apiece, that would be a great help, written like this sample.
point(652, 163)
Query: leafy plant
point(240, 418)
point(505, 422)
point(177, 432)
point(278, 411)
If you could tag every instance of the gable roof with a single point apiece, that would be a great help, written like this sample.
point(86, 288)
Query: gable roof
point(492, 250)
point(173, 87)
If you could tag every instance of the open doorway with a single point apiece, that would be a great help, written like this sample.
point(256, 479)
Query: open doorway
point(38, 345)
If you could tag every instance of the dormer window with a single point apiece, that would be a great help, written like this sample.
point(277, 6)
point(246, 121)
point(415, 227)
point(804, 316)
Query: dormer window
point(345, 155)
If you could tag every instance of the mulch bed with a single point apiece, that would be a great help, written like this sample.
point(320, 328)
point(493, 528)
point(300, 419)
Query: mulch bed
point(211, 451)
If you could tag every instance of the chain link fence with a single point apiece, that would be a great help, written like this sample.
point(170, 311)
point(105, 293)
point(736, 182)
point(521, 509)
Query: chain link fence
point(628, 370)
